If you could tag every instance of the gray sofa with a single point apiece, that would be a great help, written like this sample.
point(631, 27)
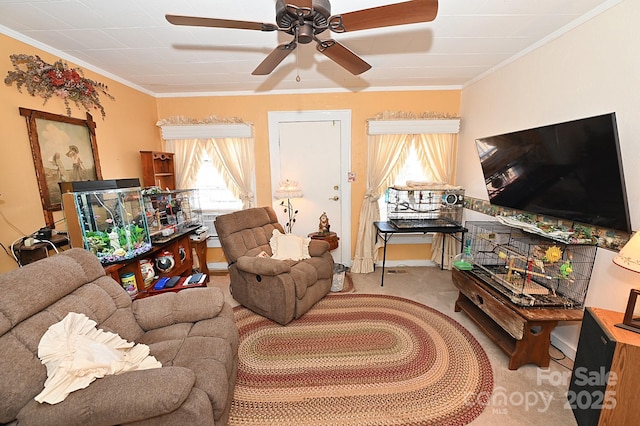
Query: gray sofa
point(280, 290)
point(192, 333)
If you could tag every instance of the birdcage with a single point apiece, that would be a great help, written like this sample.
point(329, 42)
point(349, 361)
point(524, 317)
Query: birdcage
point(530, 270)
point(414, 205)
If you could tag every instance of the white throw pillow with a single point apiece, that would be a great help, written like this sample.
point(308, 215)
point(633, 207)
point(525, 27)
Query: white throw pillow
point(289, 246)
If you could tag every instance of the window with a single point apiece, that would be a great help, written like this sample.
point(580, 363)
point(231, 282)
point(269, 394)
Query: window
point(411, 171)
point(214, 194)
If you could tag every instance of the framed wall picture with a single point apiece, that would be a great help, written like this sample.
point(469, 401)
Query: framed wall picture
point(64, 149)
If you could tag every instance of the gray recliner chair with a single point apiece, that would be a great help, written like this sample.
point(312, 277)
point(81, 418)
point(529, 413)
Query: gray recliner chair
point(280, 290)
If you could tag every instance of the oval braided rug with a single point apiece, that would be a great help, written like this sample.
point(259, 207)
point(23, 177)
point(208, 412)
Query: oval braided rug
point(358, 359)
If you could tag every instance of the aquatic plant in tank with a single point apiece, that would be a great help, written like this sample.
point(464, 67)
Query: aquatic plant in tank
point(113, 224)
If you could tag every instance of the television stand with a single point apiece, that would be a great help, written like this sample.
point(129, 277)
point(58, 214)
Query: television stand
point(524, 334)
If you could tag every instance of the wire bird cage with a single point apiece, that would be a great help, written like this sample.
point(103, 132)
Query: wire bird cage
point(425, 204)
point(530, 270)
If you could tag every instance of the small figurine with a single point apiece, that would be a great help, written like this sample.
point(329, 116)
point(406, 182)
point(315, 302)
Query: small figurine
point(114, 239)
point(324, 226)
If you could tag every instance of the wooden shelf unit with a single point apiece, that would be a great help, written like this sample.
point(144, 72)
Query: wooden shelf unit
point(524, 334)
point(182, 267)
point(158, 169)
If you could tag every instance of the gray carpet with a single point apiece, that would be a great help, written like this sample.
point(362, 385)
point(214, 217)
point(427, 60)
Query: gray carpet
point(522, 397)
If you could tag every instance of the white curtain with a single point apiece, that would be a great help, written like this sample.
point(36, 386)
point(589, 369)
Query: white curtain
point(435, 152)
point(186, 161)
point(235, 160)
point(227, 143)
point(385, 157)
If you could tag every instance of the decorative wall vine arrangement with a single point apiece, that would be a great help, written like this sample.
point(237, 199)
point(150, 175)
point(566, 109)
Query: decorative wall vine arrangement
point(602, 237)
point(45, 80)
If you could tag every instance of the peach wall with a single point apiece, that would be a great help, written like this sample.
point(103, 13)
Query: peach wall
point(129, 127)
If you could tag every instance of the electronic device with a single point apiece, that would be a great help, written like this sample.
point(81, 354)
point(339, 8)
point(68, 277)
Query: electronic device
point(159, 285)
point(201, 230)
point(172, 282)
point(196, 278)
point(571, 170)
point(453, 197)
point(44, 234)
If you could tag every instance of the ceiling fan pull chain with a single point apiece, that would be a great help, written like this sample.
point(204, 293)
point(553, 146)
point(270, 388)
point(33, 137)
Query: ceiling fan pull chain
point(297, 58)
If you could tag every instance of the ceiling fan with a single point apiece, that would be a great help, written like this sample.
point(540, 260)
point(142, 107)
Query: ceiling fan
point(305, 19)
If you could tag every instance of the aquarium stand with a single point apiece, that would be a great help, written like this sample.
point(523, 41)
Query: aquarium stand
point(180, 246)
point(524, 334)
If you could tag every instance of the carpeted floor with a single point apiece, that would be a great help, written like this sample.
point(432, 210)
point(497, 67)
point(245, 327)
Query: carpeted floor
point(529, 396)
point(358, 359)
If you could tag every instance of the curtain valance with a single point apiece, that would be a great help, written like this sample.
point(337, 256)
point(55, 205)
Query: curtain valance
point(174, 128)
point(413, 127)
point(408, 123)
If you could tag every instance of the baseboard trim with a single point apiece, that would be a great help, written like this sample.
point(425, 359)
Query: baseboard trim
point(412, 262)
point(222, 266)
point(568, 349)
point(217, 266)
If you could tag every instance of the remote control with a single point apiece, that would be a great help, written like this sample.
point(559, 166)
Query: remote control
point(172, 282)
point(160, 283)
point(195, 278)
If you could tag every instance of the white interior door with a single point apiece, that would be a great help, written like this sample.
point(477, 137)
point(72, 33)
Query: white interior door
point(308, 147)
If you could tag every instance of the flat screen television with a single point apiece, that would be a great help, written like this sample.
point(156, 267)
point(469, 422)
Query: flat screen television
point(570, 170)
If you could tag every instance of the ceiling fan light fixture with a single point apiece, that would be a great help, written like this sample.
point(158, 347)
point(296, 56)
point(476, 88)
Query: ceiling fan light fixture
point(305, 34)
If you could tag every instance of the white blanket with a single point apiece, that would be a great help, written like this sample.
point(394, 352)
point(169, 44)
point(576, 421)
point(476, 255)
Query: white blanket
point(76, 353)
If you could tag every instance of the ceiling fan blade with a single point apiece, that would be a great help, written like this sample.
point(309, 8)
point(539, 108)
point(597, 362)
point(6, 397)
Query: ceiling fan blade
point(274, 58)
point(408, 12)
point(195, 21)
point(343, 56)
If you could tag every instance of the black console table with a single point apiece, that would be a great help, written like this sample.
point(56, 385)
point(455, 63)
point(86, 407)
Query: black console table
point(386, 230)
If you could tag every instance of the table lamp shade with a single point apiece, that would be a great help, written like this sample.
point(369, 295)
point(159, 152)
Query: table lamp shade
point(629, 256)
point(288, 189)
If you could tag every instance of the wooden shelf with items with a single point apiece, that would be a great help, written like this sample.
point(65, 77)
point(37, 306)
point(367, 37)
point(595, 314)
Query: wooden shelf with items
point(158, 169)
point(178, 247)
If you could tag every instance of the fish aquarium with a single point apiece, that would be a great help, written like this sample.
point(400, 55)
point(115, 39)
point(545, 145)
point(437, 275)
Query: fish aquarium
point(171, 211)
point(107, 218)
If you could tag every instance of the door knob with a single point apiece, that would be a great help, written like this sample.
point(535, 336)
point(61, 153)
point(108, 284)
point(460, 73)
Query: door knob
point(334, 198)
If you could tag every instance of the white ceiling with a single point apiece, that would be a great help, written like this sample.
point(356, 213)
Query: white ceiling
point(130, 41)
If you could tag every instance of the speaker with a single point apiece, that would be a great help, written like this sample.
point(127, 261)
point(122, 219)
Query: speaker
point(595, 352)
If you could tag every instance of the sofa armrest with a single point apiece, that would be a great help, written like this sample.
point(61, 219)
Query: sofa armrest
point(189, 305)
point(318, 247)
point(263, 265)
point(117, 399)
